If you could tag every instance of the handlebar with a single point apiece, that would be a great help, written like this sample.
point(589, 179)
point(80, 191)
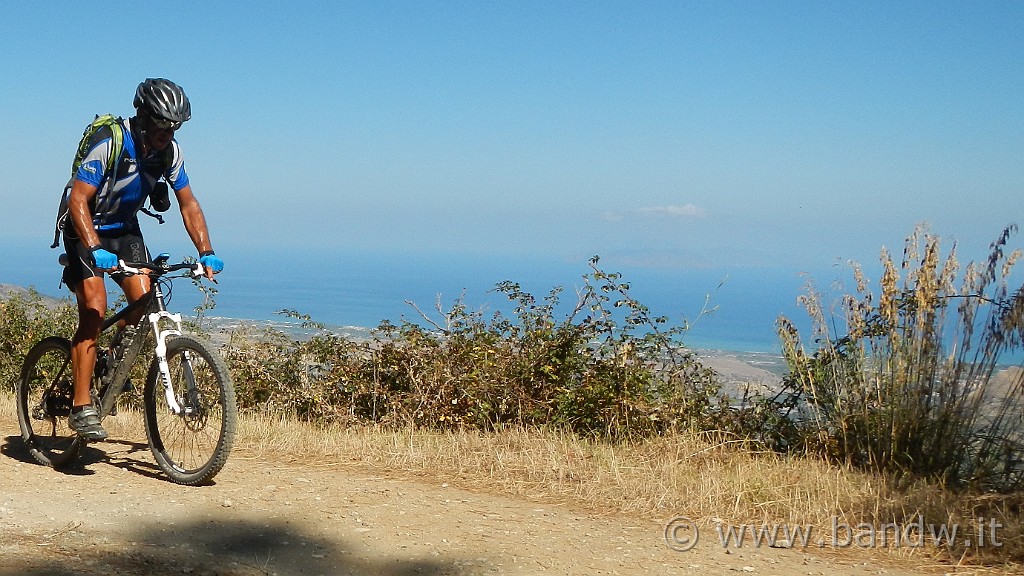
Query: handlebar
point(160, 267)
point(157, 267)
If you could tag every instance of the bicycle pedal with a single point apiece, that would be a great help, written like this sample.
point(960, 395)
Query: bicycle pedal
point(86, 439)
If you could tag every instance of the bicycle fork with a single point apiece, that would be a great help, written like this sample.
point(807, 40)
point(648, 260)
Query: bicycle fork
point(160, 337)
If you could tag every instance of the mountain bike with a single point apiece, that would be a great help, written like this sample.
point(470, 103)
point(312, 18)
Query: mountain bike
point(188, 397)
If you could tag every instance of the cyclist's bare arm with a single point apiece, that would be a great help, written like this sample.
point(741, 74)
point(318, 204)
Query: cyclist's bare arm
point(195, 222)
point(81, 197)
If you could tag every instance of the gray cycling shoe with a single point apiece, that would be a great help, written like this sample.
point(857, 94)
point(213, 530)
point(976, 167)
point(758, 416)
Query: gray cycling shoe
point(87, 424)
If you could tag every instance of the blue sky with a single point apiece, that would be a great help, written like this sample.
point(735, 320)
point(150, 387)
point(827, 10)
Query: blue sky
point(674, 135)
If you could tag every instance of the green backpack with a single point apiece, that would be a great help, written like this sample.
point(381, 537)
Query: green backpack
point(116, 125)
point(158, 198)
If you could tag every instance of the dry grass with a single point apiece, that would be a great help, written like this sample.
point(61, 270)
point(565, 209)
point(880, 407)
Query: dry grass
point(676, 474)
point(662, 476)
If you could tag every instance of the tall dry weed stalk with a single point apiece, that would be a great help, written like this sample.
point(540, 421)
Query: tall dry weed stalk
point(918, 384)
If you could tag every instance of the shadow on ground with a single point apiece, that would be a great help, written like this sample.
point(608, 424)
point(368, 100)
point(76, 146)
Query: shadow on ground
point(118, 453)
point(205, 548)
point(199, 548)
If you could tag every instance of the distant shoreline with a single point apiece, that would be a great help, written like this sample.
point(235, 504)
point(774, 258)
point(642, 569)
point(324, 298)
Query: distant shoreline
point(732, 365)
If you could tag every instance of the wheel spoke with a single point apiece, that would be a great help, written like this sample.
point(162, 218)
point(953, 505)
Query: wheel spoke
point(192, 446)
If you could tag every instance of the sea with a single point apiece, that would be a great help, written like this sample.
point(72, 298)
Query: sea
point(727, 309)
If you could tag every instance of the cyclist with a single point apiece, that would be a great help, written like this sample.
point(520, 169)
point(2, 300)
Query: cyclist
point(105, 224)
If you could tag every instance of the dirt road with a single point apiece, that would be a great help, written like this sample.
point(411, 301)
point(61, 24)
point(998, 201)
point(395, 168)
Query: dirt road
point(115, 514)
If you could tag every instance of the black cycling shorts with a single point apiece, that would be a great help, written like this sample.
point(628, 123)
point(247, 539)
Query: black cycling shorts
point(129, 247)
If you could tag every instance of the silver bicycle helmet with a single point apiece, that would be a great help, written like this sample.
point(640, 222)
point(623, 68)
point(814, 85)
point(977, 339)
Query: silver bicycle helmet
point(163, 99)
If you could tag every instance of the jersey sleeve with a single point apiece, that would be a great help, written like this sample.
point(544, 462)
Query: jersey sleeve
point(176, 175)
point(93, 168)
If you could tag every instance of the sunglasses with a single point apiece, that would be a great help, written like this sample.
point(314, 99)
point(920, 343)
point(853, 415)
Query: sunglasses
point(164, 124)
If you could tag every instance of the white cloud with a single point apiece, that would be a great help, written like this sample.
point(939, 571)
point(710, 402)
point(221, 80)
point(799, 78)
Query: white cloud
point(684, 211)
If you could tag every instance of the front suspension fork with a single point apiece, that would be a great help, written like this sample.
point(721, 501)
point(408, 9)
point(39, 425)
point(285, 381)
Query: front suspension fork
point(160, 337)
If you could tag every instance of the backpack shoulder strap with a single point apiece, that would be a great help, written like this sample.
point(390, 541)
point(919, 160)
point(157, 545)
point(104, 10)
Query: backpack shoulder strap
point(116, 125)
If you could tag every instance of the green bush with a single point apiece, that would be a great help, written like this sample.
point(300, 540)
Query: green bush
point(309, 378)
point(25, 318)
point(606, 368)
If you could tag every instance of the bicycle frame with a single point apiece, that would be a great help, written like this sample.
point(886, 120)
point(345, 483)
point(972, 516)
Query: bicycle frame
point(131, 345)
point(188, 398)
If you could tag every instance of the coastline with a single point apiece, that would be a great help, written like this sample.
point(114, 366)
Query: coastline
point(733, 366)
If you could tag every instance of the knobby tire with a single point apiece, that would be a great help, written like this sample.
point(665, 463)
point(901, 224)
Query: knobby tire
point(44, 423)
point(192, 447)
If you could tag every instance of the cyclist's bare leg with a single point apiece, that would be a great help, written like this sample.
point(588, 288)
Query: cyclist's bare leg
point(92, 305)
point(134, 287)
point(91, 294)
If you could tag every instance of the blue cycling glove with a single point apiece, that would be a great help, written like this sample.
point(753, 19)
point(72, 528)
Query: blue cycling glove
point(103, 260)
point(211, 261)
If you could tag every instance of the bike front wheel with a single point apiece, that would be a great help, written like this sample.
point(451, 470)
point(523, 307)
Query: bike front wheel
point(45, 395)
point(191, 443)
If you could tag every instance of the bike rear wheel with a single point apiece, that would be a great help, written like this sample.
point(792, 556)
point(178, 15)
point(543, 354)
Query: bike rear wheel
point(45, 395)
point(193, 445)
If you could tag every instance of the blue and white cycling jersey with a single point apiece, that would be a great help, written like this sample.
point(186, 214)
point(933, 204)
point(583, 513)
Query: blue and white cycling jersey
point(115, 209)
